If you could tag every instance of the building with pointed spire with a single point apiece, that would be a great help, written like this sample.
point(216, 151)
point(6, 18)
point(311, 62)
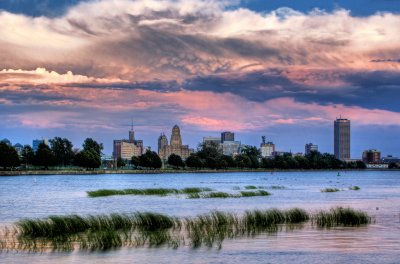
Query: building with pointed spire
point(175, 146)
point(127, 148)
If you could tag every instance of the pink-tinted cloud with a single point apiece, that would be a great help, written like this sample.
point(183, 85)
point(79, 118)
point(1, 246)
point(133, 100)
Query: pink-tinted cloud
point(145, 40)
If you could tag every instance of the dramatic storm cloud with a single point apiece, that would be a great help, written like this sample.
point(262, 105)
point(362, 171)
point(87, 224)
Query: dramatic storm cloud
point(89, 67)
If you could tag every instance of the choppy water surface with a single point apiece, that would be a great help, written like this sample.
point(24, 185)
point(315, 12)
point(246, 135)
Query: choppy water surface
point(41, 196)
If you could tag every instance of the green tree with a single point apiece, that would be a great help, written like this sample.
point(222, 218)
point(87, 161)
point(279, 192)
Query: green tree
point(135, 161)
point(87, 159)
point(90, 144)
point(193, 161)
point(209, 150)
point(120, 162)
point(44, 156)
point(150, 159)
point(243, 161)
point(228, 161)
point(8, 156)
point(176, 161)
point(27, 156)
point(253, 153)
point(62, 149)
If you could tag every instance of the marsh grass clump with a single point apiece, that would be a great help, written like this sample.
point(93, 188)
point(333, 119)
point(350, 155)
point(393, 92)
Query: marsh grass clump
point(340, 216)
point(101, 240)
point(256, 193)
point(250, 187)
point(193, 190)
point(296, 216)
point(105, 192)
point(329, 190)
point(219, 195)
point(154, 222)
point(211, 228)
point(105, 232)
point(194, 196)
point(148, 191)
point(354, 188)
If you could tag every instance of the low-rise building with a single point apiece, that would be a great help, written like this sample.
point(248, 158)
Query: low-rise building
point(371, 156)
point(310, 147)
point(390, 159)
point(230, 148)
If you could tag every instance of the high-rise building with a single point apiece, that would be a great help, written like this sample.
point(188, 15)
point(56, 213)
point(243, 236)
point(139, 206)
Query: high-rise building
point(267, 149)
point(371, 156)
point(310, 147)
point(127, 148)
point(227, 136)
point(342, 138)
point(175, 146)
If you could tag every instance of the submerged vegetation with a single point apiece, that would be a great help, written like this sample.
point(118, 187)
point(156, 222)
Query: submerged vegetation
point(330, 190)
point(103, 232)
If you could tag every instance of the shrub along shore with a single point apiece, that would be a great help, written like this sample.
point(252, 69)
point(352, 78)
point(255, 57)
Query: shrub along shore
point(104, 232)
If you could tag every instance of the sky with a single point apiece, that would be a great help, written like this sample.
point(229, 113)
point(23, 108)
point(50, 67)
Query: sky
point(281, 69)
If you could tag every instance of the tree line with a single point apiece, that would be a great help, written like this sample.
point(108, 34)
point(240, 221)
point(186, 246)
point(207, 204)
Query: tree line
point(58, 153)
point(210, 156)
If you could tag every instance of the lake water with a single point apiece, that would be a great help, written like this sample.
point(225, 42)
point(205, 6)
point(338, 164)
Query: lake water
point(379, 242)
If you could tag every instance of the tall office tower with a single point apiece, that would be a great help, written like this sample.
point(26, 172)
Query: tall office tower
point(342, 138)
point(227, 136)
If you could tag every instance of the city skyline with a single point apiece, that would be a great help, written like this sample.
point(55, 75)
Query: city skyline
point(285, 70)
point(308, 146)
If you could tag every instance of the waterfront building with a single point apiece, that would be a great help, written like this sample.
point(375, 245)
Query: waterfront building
point(310, 147)
point(371, 156)
point(390, 159)
point(267, 149)
point(175, 147)
point(230, 148)
point(342, 138)
point(37, 142)
point(127, 148)
point(227, 136)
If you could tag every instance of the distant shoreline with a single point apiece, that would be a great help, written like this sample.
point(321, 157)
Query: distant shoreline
point(101, 172)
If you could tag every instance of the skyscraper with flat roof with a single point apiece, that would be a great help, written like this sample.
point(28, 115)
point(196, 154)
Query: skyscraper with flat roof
point(342, 138)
